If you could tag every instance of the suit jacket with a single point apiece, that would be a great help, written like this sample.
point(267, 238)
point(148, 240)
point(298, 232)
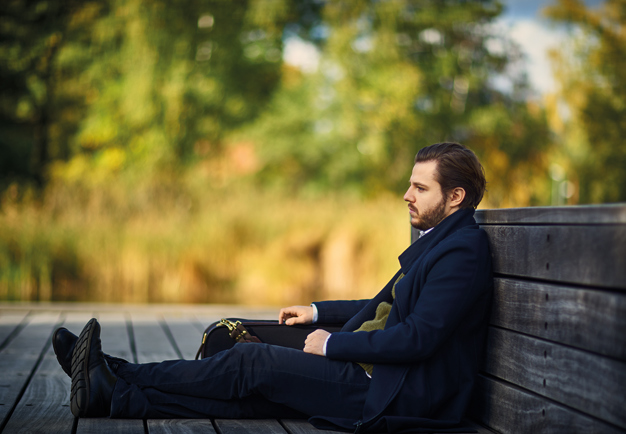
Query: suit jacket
point(427, 357)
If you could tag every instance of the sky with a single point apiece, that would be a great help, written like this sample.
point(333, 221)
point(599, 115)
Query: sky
point(521, 21)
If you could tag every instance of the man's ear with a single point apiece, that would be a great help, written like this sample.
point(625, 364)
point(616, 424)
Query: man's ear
point(456, 196)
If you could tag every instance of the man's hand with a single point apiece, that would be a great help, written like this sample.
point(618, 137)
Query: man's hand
point(314, 342)
point(296, 315)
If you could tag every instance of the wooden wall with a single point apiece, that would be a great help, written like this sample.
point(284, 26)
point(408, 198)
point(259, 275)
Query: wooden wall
point(556, 352)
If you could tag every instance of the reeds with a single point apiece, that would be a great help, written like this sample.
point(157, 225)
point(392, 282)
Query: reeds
point(177, 239)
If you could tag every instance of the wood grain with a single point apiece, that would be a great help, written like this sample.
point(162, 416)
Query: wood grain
point(184, 332)
point(10, 323)
point(105, 425)
point(180, 426)
point(580, 214)
point(590, 319)
point(510, 410)
point(583, 255)
point(301, 426)
point(151, 341)
point(245, 426)
point(19, 359)
point(44, 407)
point(114, 334)
point(590, 383)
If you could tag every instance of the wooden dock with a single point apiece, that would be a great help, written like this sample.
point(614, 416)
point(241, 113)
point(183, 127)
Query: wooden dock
point(34, 390)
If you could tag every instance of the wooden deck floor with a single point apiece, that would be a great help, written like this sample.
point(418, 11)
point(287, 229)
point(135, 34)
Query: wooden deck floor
point(34, 391)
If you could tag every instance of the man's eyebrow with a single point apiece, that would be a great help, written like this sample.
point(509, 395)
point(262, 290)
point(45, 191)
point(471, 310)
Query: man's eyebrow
point(418, 184)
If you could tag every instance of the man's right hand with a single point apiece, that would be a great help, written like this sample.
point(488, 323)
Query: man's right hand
point(296, 315)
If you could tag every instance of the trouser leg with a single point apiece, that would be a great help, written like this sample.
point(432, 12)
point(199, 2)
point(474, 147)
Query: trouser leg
point(250, 380)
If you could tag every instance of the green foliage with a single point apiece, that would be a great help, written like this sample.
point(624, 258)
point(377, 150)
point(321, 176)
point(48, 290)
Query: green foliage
point(393, 77)
point(157, 146)
point(591, 73)
point(175, 240)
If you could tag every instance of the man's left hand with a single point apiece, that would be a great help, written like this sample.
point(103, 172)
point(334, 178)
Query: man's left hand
point(314, 343)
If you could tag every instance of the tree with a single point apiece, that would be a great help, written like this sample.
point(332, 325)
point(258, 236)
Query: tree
point(31, 34)
point(593, 88)
point(393, 77)
point(130, 83)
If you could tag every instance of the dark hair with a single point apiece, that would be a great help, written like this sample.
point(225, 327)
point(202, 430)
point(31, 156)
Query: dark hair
point(457, 166)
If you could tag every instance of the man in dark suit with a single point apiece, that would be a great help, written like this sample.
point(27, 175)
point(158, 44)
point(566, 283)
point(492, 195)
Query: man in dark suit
point(404, 360)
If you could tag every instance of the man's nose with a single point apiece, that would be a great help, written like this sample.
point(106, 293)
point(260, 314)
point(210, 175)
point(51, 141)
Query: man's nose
point(407, 196)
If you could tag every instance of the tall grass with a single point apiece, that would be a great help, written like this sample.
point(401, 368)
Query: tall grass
point(180, 239)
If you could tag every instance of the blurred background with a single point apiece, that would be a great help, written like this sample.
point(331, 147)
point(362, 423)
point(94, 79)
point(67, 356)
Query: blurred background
point(256, 151)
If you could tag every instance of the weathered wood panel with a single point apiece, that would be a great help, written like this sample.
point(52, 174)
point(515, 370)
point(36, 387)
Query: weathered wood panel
point(510, 410)
point(19, 359)
point(245, 426)
point(595, 385)
point(115, 336)
point(180, 426)
point(184, 332)
point(301, 426)
point(10, 324)
point(584, 255)
point(44, 408)
point(590, 319)
point(151, 341)
point(105, 425)
point(581, 214)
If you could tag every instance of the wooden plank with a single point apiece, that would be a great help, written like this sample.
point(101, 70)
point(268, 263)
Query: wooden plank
point(590, 383)
point(185, 333)
point(44, 408)
point(19, 359)
point(590, 319)
point(583, 255)
point(245, 426)
point(151, 341)
point(580, 214)
point(114, 334)
point(10, 324)
point(105, 425)
point(511, 410)
point(301, 426)
point(180, 426)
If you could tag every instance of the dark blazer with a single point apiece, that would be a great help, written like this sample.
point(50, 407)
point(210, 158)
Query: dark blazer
point(427, 357)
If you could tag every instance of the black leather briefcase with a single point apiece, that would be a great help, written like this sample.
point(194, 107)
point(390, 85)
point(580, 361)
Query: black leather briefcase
point(224, 334)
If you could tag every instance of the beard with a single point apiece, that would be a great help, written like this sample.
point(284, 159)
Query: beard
point(430, 217)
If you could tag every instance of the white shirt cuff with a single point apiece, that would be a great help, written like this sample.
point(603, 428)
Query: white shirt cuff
point(326, 343)
point(315, 314)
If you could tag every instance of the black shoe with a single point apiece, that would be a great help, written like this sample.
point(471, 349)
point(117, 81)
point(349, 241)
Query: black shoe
point(92, 380)
point(63, 342)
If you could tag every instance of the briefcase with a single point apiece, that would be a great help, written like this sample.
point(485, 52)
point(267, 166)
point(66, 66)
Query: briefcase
point(224, 334)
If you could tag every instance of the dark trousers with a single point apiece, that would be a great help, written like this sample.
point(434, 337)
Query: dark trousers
point(247, 381)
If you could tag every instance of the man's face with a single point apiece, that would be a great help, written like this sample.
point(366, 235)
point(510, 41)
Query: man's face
point(427, 205)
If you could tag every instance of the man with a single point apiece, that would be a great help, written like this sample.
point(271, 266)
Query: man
point(404, 360)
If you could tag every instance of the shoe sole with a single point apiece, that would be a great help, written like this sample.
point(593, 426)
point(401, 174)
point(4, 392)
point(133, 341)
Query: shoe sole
point(79, 396)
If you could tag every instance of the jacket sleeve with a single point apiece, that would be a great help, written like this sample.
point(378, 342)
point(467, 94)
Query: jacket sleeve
point(338, 311)
point(454, 277)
